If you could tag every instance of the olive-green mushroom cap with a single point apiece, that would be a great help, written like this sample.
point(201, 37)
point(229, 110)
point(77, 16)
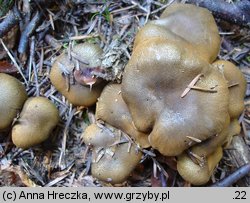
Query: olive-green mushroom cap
point(88, 56)
point(187, 23)
point(153, 82)
point(112, 109)
point(113, 158)
point(198, 164)
point(117, 168)
point(38, 118)
point(12, 98)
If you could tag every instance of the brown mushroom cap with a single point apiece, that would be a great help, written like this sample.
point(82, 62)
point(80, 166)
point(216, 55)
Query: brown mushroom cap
point(194, 173)
point(198, 169)
point(38, 118)
point(154, 80)
point(237, 88)
point(112, 109)
point(188, 23)
point(237, 92)
point(12, 98)
point(111, 162)
point(77, 93)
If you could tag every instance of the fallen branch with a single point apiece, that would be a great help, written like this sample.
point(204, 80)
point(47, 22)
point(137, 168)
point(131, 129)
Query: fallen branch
point(9, 22)
point(234, 177)
point(28, 31)
point(239, 155)
point(237, 12)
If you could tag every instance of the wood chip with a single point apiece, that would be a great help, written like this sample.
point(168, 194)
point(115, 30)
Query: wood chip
point(194, 139)
point(202, 89)
point(99, 156)
point(191, 84)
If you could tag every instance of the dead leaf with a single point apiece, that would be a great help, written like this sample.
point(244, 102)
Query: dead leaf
point(6, 67)
point(15, 176)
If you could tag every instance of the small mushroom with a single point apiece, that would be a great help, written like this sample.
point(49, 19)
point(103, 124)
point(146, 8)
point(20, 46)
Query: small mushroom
point(38, 118)
point(12, 98)
point(72, 74)
point(114, 157)
point(112, 109)
point(195, 173)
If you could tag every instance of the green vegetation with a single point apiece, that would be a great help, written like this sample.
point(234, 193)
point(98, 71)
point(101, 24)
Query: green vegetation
point(106, 14)
point(5, 6)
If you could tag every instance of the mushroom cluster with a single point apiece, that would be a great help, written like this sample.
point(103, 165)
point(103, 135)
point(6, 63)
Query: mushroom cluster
point(38, 116)
point(113, 136)
point(174, 96)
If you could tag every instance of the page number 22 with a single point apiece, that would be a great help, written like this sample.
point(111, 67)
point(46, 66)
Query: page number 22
point(240, 194)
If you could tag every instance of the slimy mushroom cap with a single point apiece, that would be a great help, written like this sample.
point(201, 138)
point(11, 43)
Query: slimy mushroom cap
point(153, 82)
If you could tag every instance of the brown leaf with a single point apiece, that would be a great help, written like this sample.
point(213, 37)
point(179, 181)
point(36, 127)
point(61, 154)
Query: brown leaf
point(15, 176)
point(6, 67)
